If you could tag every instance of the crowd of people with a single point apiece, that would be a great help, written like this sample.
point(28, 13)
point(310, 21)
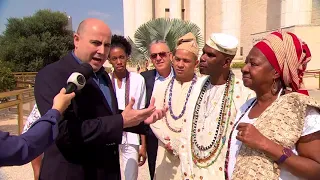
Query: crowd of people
point(214, 126)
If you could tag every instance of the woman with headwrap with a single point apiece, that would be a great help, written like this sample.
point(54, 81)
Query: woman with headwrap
point(277, 135)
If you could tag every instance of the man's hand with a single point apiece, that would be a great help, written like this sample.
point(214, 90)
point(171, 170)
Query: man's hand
point(62, 100)
point(168, 145)
point(156, 115)
point(142, 155)
point(142, 150)
point(132, 117)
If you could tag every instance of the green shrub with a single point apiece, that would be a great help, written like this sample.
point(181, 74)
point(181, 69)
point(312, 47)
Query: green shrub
point(7, 81)
point(238, 65)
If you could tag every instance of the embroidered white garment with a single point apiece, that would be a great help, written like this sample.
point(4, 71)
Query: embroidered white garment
point(138, 91)
point(33, 117)
point(312, 124)
point(167, 164)
point(208, 114)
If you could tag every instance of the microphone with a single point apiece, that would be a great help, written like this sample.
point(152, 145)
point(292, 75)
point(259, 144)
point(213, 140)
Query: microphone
point(78, 79)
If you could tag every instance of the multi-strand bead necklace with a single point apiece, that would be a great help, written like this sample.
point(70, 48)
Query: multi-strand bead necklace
point(206, 155)
point(170, 87)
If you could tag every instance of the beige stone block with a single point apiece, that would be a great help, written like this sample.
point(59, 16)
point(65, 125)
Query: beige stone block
point(160, 6)
point(253, 20)
point(315, 19)
point(304, 18)
point(305, 5)
point(213, 17)
point(311, 82)
point(175, 9)
point(308, 34)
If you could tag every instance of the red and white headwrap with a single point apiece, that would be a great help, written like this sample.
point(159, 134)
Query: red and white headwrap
point(289, 56)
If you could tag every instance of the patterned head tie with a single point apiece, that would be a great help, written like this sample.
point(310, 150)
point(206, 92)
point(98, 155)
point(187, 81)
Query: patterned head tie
point(289, 56)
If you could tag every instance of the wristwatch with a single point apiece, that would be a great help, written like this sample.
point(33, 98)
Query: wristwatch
point(286, 153)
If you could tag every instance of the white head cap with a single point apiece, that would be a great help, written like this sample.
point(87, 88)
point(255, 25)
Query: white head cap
point(223, 43)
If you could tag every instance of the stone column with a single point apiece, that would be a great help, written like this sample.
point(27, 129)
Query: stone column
point(129, 18)
point(143, 12)
point(160, 6)
point(175, 9)
point(296, 12)
point(197, 14)
point(231, 18)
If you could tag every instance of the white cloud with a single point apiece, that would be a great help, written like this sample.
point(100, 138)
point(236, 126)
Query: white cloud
point(98, 14)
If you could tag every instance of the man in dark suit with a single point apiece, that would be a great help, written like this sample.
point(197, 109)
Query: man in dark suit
point(160, 56)
point(91, 129)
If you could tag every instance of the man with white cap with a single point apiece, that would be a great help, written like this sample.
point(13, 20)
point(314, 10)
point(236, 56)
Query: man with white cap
point(212, 110)
point(174, 93)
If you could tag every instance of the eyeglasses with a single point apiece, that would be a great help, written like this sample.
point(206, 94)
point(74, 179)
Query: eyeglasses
point(161, 54)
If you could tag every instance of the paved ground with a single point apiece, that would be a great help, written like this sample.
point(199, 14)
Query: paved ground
point(8, 122)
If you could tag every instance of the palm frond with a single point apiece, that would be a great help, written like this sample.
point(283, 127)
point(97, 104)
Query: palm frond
point(169, 30)
point(137, 57)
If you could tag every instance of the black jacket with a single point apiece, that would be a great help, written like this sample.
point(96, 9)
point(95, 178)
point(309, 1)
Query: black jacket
point(89, 132)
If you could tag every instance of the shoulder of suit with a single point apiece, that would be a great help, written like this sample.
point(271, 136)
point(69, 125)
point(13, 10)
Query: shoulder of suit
point(50, 69)
point(148, 73)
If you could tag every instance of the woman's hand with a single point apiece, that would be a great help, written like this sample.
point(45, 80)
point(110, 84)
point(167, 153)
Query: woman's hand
point(250, 136)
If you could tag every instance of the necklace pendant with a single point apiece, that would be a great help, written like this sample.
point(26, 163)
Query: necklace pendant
point(206, 115)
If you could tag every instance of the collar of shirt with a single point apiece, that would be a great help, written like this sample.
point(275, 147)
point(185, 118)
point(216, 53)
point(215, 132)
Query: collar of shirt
point(161, 78)
point(100, 82)
point(76, 58)
point(97, 74)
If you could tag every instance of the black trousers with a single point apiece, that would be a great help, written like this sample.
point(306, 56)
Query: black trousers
point(152, 149)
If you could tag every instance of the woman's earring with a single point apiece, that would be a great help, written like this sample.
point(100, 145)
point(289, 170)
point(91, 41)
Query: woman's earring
point(274, 87)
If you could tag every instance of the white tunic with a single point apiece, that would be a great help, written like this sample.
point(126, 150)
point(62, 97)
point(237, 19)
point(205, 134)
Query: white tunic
point(207, 123)
point(167, 164)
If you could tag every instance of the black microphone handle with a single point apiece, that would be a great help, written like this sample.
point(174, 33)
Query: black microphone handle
point(71, 87)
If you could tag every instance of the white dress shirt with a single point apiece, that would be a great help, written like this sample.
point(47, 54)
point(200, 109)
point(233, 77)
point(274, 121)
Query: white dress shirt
point(138, 91)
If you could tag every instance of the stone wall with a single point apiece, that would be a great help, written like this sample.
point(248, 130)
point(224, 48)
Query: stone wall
point(315, 15)
point(213, 17)
point(253, 19)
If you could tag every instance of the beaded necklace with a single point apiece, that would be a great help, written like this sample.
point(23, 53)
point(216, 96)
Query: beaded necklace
point(187, 98)
point(202, 154)
point(170, 107)
point(230, 137)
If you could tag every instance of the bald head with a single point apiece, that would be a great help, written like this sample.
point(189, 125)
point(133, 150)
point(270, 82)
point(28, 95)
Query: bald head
point(92, 24)
point(92, 42)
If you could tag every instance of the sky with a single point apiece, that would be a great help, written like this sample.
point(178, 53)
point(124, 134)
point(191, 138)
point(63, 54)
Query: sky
point(109, 11)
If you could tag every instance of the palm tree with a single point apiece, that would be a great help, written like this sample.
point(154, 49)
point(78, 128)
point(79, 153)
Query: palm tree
point(169, 30)
point(136, 56)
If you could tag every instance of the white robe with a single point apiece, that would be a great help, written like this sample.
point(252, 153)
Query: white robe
point(213, 168)
point(168, 164)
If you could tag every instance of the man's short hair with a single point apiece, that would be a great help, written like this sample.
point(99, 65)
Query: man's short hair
point(157, 41)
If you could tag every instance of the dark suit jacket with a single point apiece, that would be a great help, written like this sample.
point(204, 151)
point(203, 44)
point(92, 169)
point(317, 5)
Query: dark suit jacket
point(89, 132)
point(149, 77)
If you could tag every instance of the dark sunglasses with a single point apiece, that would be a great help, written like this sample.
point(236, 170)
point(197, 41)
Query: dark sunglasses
point(161, 54)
